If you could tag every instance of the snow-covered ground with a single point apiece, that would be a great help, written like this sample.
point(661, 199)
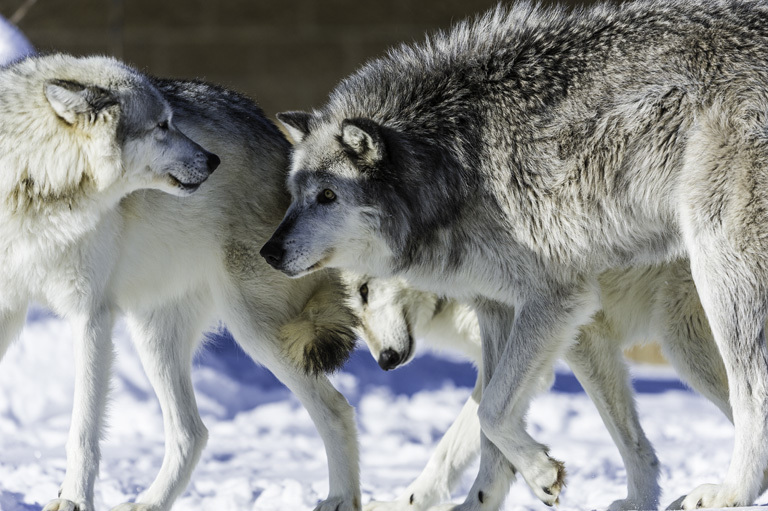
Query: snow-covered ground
point(264, 454)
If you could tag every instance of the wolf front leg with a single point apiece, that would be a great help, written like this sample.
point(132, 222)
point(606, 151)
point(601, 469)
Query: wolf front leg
point(456, 450)
point(93, 363)
point(165, 338)
point(518, 347)
point(334, 419)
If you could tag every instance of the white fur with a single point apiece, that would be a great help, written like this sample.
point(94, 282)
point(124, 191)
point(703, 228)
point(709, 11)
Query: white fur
point(173, 265)
point(658, 303)
point(64, 171)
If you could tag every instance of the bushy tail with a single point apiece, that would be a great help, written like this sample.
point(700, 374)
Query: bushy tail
point(321, 338)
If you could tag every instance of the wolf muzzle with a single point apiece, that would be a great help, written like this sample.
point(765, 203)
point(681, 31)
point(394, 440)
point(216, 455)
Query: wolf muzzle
point(273, 250)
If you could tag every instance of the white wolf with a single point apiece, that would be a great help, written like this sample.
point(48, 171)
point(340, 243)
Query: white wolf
point(76, 136)
point(657, 302)
point(511, 161)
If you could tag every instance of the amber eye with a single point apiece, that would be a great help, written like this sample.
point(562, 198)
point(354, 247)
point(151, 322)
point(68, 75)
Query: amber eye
point(364, 293)
point(326, 196)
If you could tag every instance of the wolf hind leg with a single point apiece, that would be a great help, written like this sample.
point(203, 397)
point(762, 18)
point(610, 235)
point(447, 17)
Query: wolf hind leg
point(598, 364)
point(687, 341)
point(737, 317)
point(165, 338)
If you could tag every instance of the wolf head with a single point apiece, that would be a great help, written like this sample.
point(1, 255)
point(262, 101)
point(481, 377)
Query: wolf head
point(334, 215)
point(92, 124)
point(366, 197)
point(386, 312)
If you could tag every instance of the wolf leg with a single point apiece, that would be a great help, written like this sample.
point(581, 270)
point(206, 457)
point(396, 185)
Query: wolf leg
point(330, 412)
point(526, 343)
point(687, 340)
point(722, 211)
point(736, 309)
point(598, 364)
point(456, 450)
point(165, 339)
point(491, 486)
point(93, 363)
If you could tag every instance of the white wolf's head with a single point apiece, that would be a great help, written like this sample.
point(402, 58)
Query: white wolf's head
point(93, 125)
point(394, 316)
point(386, 325)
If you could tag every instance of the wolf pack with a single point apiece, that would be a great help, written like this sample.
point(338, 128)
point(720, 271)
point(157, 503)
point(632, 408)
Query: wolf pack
point(534, 184)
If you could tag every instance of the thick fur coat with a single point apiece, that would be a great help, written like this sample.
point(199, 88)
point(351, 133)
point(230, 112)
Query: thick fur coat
point(512, 160)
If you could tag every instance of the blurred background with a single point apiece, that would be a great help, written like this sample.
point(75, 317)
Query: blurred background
point(286, 54)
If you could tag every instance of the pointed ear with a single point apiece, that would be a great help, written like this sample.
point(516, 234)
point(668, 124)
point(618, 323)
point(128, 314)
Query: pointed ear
point(363, 137)
point(71, 99)
point(297, 124)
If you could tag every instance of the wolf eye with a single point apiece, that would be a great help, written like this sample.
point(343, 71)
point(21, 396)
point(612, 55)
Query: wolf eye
point(163, 125)
point(326, 196)
point(364, 293)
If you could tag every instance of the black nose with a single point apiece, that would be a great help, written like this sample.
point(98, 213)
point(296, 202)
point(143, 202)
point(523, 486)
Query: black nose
point(273, 252)
point(389, 359)
point(213, 161)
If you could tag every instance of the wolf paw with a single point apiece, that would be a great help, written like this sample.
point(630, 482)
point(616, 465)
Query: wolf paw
point(339, 504)
point(64, 505)
point(547, 480)
point(629, 504)
point(712, 495)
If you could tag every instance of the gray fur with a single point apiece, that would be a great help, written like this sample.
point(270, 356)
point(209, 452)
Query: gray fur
point(524, 153)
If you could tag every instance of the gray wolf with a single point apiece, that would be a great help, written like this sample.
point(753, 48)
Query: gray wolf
point(657, 302)
point(74, 239)
point(509, 162)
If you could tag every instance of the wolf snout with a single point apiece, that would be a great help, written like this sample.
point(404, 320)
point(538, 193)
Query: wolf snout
point(389, 359)
point(273, 252)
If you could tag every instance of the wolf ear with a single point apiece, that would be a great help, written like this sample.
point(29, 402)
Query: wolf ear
point(71, 99)
point(297, 124)
point(364, 139)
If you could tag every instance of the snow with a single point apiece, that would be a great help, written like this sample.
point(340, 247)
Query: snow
point(13, 44)
point(264, 453)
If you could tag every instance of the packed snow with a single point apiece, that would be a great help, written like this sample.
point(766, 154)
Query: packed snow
point(264, 453)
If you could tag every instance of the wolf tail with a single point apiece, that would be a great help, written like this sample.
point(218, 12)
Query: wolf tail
point(321, 338)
